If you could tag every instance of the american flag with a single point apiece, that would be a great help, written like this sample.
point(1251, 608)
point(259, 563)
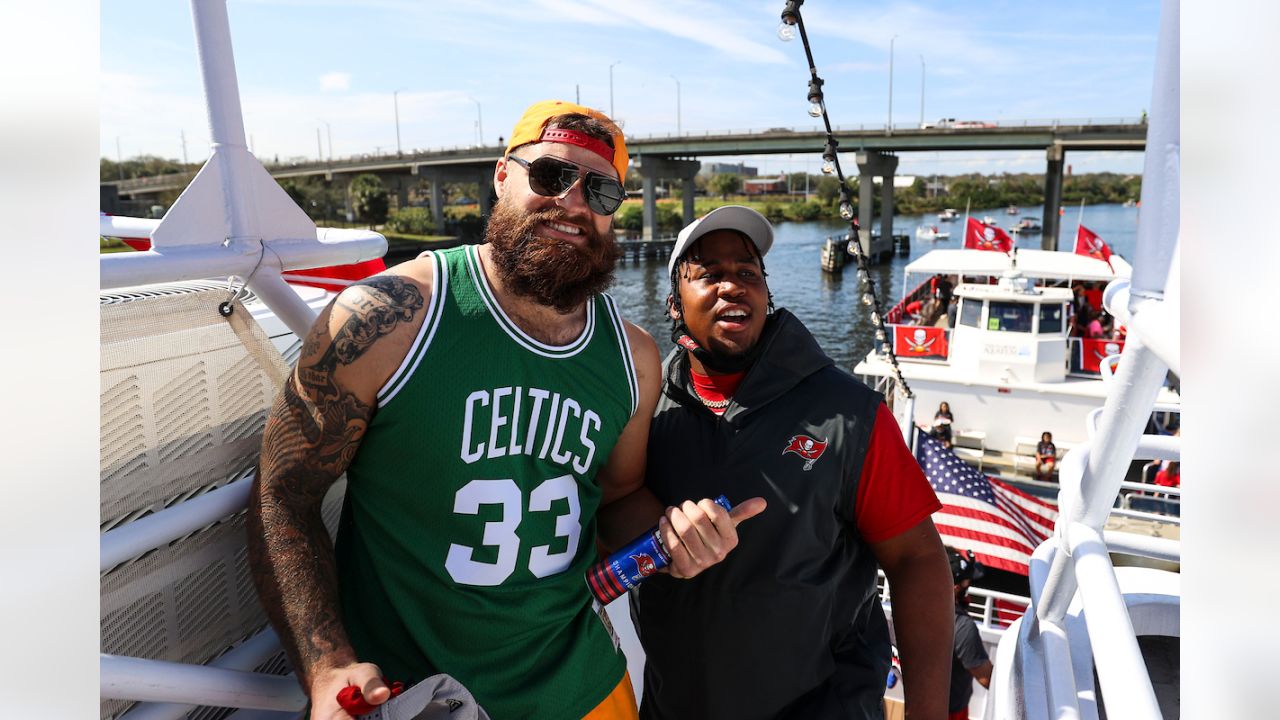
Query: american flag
point(1000, 524)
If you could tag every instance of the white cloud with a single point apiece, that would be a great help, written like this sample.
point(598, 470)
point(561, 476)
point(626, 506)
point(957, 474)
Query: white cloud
point(919, 30)
point(330, 82)
point(716, 26)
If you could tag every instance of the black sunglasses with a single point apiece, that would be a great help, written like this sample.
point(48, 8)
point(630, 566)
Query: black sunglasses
point(552, 177)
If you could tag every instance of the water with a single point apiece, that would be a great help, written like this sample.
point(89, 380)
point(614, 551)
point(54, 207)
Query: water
point(830, 304)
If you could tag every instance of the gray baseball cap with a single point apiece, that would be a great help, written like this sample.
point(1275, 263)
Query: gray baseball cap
point(730, 217)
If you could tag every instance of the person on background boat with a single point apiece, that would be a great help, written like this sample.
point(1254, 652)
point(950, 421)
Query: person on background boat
point(1093, 296)
point(751, 405)
point(1093, 326)
point(1046, 456)
point(969, 659)
point(1170, 475)
point(913, 310)
point(1079, 309)
point(941, 430)
point(490, 409)
point(940, 286)
point(933, 311)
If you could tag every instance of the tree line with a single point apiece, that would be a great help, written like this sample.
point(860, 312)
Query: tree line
point(370, 202)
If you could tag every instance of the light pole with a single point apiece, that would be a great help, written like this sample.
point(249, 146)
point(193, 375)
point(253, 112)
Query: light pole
point(319, 147)
point(395, 99)
point(888, 129)
point(922, 91)
point(679, 130)
point(611, 116)
point(119, 160)
point(479, 123)
point(329, 133)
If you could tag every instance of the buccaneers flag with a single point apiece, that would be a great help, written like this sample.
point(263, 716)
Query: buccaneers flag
point(980, 236)
point(1088, 243)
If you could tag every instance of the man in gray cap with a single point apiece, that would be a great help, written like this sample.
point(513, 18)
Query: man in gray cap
point(750, 405)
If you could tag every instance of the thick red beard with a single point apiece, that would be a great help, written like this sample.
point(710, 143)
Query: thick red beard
point(549, 271)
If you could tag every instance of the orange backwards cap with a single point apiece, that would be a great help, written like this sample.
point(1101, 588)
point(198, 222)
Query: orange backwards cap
point(532, 124)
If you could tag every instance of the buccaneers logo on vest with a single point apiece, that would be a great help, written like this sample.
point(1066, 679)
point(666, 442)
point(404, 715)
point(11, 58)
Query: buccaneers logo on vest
point(807, 448)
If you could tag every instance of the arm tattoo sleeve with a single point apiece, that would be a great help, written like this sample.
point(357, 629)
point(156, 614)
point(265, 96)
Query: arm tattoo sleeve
point(310, 438)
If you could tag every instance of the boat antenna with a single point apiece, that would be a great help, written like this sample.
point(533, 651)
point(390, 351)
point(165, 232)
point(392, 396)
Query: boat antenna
point(792, 22)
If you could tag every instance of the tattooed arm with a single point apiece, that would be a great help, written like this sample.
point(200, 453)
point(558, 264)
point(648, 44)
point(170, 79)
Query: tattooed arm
point(311, 435)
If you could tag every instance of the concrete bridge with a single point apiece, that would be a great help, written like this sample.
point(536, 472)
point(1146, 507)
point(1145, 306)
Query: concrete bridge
point(875, 150)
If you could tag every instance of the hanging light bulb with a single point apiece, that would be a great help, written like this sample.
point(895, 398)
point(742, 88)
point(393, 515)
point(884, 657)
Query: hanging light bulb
point(829, 156)
point(815, 96)
point(790, 16)
point(846, 210)
point(867, 299)
point(875, 318)
point(880, 335)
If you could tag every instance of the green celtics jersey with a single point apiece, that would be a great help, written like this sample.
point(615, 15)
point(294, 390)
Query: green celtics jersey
point(470, 511)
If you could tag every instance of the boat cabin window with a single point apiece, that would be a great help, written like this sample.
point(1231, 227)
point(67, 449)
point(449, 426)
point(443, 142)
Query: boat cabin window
point(1050, 318)
point(1010, 316)
point(970, 312)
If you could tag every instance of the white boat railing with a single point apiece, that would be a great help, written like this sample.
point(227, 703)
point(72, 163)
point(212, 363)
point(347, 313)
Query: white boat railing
point(247, 655)
point(1072, 577)
point(233, 221)
point(984, 606)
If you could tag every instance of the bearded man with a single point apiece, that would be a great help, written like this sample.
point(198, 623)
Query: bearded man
point(490, 409)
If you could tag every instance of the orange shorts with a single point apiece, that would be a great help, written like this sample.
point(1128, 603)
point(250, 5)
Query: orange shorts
point(619, 705)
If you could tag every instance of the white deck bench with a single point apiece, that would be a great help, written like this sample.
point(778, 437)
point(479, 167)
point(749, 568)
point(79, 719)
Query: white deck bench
point(1024, 449)
point(969, 444)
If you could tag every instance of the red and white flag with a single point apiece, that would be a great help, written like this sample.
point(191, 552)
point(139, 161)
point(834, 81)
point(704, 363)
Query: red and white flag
point(1088, 243)
point(1001, 524)
point(980, 236)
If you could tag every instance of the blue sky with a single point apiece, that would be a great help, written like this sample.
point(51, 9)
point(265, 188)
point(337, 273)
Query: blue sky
point(304, 64)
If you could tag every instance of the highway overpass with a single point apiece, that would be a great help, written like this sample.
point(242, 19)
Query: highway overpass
point(874, 150)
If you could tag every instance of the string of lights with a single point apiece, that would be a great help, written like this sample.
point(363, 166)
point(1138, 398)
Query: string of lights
point(792, 22)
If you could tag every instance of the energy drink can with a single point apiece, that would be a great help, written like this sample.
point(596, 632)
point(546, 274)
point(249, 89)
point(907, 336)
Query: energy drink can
point(610, 578)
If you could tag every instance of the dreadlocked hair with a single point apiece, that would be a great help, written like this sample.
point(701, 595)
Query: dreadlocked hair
point(683, 262)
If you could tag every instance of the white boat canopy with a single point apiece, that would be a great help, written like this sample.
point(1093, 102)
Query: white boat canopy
point(1032, 263)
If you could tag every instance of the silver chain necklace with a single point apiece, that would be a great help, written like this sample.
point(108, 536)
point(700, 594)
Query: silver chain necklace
point(713, 404)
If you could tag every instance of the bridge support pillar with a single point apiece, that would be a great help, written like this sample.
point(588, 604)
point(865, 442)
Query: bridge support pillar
point(484, 193)
point(688, 190)
point(649, 216)
point(399, 185)
point(348, 203)
point(873, 164)
point(436, 178)
point(1052, 197)
point(652, 169)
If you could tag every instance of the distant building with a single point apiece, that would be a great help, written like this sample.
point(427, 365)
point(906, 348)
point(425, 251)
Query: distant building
point(713, 169)
point(765, 186)
point(899, 181)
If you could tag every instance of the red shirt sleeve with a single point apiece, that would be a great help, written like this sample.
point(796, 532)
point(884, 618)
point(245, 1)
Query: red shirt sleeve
point(893, 494)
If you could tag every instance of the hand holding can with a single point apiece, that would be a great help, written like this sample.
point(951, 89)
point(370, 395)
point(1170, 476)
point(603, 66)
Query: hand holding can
point(643, 557)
